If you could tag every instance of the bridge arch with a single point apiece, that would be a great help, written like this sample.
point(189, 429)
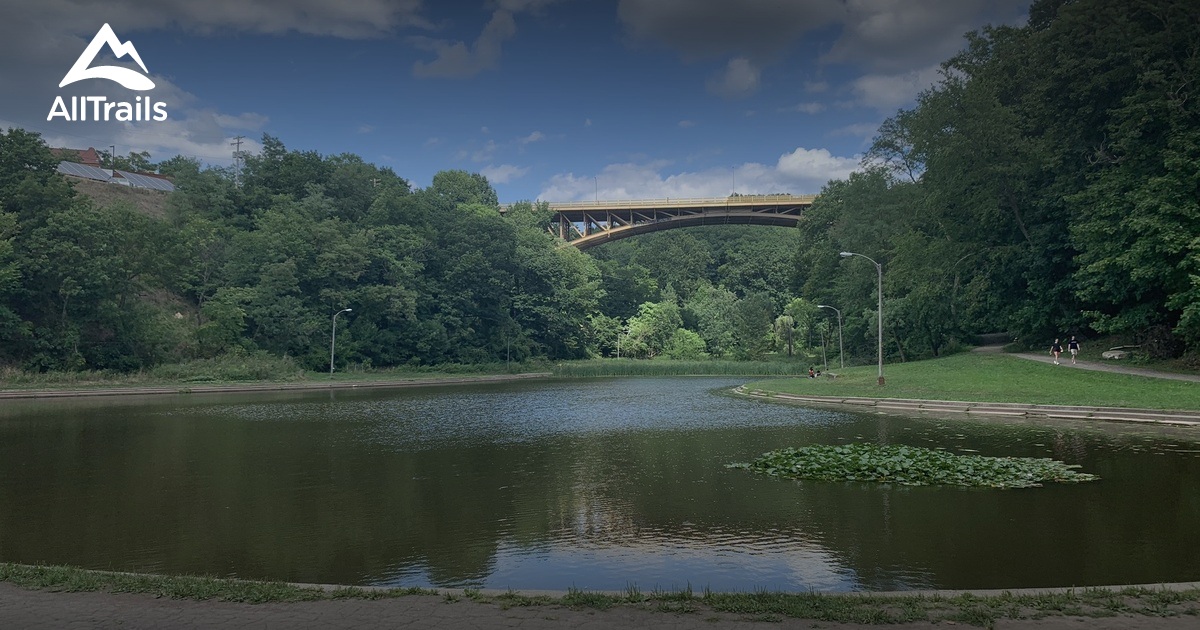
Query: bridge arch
point(587, 224)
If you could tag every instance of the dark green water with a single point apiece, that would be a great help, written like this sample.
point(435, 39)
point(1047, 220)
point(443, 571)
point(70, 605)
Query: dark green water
point(596, 484)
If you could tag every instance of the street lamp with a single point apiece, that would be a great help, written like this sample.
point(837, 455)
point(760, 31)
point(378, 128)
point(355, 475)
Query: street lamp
point(333, 337)
point(879, 270)
point(841, 348)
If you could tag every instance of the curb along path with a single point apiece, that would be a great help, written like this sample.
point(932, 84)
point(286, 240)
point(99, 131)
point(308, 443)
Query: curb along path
point(265, 387)
point(1065, 412)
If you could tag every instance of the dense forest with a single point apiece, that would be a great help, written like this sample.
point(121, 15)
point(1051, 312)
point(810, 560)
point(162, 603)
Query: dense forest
point(1049, 184)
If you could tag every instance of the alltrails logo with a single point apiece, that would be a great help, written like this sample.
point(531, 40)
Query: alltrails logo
point(101, 109)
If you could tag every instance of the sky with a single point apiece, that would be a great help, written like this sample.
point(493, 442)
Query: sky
point(558, 100)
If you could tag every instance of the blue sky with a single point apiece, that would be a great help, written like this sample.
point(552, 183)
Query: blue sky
point(551, 99)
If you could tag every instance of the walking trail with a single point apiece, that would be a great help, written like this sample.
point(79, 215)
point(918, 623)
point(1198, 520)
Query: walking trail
point(1117, 368)
point(36, 610)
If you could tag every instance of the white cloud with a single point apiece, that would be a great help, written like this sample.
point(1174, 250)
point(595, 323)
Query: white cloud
point(740, 78)
point(40, 40)
point(347, 19)
point(533, 137)
point(432, 142)
point(485, 154)
point(456, 60)
point(503, 173)
point(815, 163)
point(587, 122)
point(857, 129)
point(885, 37)
point(249, 121)
point(759, 29)
point(886, 92)
point(892, 36)
point(805, 108)
point(803, 171)
point(520, 6)
point(687, 123)
point(366, 128)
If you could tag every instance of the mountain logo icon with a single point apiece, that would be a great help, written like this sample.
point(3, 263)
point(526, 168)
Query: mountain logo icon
point(128, 78)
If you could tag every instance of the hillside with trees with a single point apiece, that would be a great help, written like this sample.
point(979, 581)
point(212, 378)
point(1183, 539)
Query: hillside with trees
point(1047, 185)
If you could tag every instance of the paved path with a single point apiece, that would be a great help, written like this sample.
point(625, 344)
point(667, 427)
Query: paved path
point(35, 610)
point(1114, 367)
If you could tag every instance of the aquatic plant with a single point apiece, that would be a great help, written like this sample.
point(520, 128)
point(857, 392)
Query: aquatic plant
point(911, 466)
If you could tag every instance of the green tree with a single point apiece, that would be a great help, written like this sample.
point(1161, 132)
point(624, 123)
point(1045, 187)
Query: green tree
point(652, 329)
point(715, 312)
point(684, 345)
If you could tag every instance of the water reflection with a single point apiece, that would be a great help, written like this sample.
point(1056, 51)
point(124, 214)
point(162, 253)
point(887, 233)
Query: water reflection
point(594, 484)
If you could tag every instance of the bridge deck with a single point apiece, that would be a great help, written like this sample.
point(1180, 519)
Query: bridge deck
point(585, 224)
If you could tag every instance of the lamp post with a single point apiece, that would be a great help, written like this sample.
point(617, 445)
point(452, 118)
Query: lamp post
point(333, 338)
point(841, 348)
point(879, 270)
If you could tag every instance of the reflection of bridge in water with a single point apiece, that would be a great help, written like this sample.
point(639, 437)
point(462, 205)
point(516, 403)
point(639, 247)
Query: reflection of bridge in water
point(586, 224)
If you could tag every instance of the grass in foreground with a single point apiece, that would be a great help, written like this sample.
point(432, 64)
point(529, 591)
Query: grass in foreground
point(764, 606)
point(986, 377)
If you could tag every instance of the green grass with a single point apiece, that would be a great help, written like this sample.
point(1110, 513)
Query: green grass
point(242, 370)
point(975, 610)
point(987, 377)
point(657, 367)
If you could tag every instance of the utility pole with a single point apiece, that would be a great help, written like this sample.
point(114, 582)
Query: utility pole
point(237, 160)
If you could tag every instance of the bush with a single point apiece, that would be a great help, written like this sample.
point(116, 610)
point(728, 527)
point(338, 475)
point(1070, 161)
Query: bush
point(234, 366)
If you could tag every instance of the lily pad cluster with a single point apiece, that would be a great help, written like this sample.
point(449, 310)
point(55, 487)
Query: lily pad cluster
point(912, 466)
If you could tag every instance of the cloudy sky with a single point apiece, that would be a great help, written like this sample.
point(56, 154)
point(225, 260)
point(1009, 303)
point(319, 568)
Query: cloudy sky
point(551, 99)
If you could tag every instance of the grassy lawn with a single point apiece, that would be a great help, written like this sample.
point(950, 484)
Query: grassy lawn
point(986, 377)
point(268, 370)
point(226, 372)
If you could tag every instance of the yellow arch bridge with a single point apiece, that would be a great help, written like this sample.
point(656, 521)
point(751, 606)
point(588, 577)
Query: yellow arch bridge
point(585, 224)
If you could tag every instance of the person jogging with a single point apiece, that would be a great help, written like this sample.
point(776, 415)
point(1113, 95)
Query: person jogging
point(1056, 350)
point(1073, 347)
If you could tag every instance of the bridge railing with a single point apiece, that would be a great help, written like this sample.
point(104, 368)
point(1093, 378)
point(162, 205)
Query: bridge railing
point(671, 202)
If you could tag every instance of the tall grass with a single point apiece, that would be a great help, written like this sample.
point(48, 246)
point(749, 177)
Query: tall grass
point(637, 367)
point(247, 368)
point(226, 368)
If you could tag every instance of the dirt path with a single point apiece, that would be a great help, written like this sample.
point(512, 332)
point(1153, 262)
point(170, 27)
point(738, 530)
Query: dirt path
point(1116, 368)
point(35, 610)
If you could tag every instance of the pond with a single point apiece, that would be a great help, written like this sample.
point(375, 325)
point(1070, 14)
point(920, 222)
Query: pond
point(592, 484)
